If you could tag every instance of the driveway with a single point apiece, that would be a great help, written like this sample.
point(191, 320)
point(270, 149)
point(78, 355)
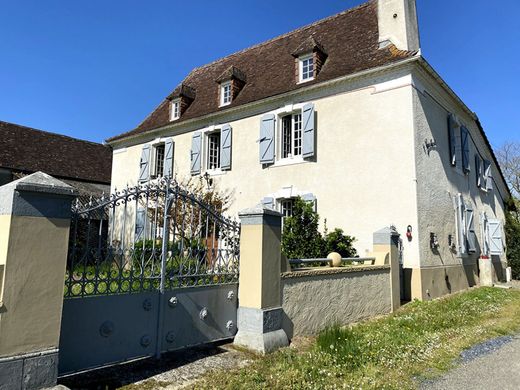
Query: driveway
point(494, 364)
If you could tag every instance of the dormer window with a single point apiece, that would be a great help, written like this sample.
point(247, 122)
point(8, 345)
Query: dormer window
point(175, 109)
point(225, 93)
point(306, 70)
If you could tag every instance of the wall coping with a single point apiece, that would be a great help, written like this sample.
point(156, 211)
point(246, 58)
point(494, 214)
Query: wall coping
point(310, 272)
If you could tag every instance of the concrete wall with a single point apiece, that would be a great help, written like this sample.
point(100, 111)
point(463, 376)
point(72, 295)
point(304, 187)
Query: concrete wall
point(443, 270)
point(363, 174)
point(315, 299)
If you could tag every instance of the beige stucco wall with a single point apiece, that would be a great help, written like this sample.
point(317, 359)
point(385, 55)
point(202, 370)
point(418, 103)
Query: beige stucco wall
point(311, 303)
point(364, 173)
point(438, 183)
point(33, 289)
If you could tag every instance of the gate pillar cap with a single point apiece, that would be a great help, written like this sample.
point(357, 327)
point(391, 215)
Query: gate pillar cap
point(258, 210)
point(40, 182)
point(260, 215)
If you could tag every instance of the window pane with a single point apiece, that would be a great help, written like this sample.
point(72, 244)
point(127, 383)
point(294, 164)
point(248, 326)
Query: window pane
point(159, 160)
point(297, 134)
point(287, 207)
point(214, 151)
point(286, 136)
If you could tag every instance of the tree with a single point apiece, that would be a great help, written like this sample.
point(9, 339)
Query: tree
point(509, 158)
point(512, 230)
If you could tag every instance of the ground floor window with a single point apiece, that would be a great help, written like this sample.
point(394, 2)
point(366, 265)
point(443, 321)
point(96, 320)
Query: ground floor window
point(214, 150)
point(291, 135)
point(287, 207)
point(159, 160)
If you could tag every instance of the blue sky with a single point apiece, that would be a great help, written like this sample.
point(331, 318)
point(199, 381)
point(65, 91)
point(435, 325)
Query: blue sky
point(93, 69)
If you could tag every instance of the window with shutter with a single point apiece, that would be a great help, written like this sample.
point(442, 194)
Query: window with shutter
point(196, 143)
point(479, 171)
point(308, 130)
point(168, 158)
point(266, 140)
point(496, 246)
point(471, 237)
point(461, 224)
point(464, 135)
point(488, 177)
point(144, 164)
point(452, 139)
point(225, 147)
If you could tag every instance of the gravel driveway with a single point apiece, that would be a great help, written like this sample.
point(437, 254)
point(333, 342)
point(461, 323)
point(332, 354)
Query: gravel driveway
point(494, 364)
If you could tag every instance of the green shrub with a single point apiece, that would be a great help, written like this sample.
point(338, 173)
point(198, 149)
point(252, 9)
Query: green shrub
point(301, 238)
point(512, 230)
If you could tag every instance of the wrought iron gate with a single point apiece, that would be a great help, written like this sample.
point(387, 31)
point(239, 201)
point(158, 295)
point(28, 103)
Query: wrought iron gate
point(152, 268)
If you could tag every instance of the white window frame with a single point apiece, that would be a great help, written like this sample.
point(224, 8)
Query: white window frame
point(281, 202)
point(225, 99)
point(296, 129)
point(175, 109)
point(301, 64)
point(206, 132)
point(155, 159)
point(209, 136)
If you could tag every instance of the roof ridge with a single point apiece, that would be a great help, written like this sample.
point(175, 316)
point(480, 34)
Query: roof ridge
point(52, 133)
point(284, 35)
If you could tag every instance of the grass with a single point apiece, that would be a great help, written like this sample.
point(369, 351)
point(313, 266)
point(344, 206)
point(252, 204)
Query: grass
point(420, 341)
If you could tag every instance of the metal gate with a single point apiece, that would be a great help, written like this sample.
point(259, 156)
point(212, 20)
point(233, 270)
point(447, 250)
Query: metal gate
point(152, 268)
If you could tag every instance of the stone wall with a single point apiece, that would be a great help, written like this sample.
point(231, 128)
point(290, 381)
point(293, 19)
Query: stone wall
point(316, 298)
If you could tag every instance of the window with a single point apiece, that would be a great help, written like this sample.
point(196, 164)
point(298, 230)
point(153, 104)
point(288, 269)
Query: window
point(159, 160)
point(306, 70)
point(214, 150)
point(291, 134)
point(176, 110)
point(287, 207)
point(225, 93)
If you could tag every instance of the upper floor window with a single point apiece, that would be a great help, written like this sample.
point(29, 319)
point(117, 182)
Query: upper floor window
point(225, 93)
point(159, 160)
point(291, 135)
point(306, 68)
point(175, 110)
point(214, 150)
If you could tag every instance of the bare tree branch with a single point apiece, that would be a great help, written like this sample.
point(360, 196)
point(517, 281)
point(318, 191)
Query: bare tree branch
point(509, 158)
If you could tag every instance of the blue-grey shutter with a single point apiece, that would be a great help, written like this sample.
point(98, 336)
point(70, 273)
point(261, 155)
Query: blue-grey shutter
point(496, 246)
point(225, 147)
point(310, 198)
point(196, 147)
point(139, 224)
point(461, 234)
point(267, 139)
point(308, 130)
point(268, 202)
point(488, 176)
point(144, 164)
point(471, 237)
point(464, 135)
point(452, 139)
point(478, 170)
point(168, 157)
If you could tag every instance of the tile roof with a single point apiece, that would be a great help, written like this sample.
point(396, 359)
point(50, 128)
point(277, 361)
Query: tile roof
point(29, 150)
point(350, 38)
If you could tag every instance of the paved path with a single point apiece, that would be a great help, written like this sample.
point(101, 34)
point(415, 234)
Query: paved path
point(492, 365)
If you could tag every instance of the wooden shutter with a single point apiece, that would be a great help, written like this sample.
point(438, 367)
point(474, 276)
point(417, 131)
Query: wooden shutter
point(488, 176)
point(139, 224)
point(452, 124)
point(464, 135)
point(461, 234)
point(144, 164)
point(267, 139)
point(478, 170)
point(168, 157)
point(225, 147)
point(495, 237)
point(308, 130)
point(471, 237)
point(196, 143)
point(268, 202)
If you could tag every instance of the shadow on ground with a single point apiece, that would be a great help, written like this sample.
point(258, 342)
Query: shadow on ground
point(120, 375)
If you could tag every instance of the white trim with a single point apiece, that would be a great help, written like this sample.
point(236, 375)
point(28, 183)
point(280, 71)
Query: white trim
point(175, 105)
point(301, 59)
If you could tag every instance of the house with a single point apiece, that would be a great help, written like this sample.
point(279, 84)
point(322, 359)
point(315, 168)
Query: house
point(346, 113)
point(84, 165)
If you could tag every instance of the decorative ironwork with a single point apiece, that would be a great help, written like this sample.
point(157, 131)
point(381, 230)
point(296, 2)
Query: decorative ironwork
point(152, 237)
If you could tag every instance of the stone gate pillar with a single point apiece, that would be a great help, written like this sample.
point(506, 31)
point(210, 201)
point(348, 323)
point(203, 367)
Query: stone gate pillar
point(386, 242)
point(34, 231)
point(259, 292)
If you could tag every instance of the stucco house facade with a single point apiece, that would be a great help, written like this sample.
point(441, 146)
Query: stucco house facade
point(347, 114)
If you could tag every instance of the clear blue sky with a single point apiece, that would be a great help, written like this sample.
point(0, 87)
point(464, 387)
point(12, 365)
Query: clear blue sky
point(95, 68)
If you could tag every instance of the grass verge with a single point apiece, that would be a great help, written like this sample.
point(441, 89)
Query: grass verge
point(421, 340)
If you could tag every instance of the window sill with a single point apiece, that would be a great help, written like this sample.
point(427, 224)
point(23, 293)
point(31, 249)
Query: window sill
point(289, 161)
point(215, 172)
point(305, 81)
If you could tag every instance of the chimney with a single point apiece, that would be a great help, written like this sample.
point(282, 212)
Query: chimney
point(397, 22)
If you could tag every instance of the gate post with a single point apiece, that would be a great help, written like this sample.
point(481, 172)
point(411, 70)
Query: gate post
point(386, 247)
point(34, 230)
point(259, 291)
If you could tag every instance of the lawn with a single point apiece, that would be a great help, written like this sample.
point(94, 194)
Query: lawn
point(421, 340)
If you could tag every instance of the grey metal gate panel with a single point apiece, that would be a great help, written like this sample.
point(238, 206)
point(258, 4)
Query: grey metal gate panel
point(199, 315)
point(101, 330)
